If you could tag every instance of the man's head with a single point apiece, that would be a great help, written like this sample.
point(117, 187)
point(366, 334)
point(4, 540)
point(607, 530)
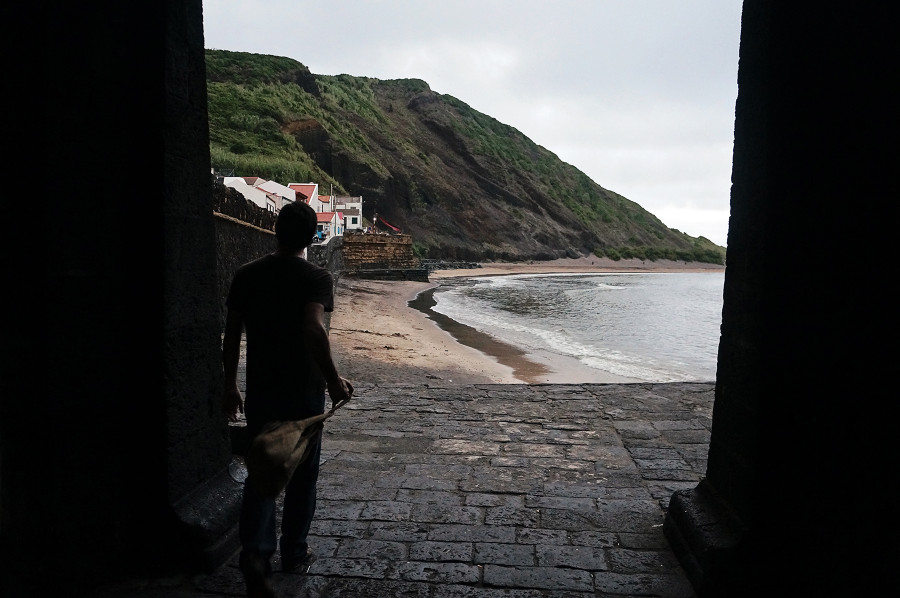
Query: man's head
point(295, 226)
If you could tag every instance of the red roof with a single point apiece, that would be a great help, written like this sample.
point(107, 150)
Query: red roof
point(324, 216)
point(306, 190)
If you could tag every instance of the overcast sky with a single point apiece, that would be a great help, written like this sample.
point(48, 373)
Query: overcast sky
point(637, 94)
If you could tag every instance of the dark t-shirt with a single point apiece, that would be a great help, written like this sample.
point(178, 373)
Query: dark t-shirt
point(283, 379)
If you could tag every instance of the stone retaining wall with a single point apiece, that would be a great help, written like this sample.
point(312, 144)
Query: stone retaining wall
point(368, 251)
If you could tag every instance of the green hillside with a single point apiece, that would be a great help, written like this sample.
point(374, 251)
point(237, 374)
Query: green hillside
point(463, 184)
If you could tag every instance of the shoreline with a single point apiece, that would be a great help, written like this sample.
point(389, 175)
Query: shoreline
point(582, 265)
point(378, 338)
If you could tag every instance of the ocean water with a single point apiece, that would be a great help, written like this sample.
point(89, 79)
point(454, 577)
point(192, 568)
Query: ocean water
point(653, 327)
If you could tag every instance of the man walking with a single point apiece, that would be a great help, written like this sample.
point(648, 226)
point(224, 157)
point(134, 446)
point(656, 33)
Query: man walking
point(279, 301)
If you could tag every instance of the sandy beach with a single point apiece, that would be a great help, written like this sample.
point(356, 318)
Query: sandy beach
point(377, 338)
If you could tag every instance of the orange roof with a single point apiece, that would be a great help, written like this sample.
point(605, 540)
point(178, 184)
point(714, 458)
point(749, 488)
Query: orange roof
point(324, 216)
point(305, 188)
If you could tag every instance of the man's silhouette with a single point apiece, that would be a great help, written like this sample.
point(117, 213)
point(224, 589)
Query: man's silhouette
point(280, 301)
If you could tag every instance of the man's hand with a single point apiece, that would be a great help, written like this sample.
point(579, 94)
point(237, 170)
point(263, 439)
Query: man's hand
point(232, 403)
point(340, 391)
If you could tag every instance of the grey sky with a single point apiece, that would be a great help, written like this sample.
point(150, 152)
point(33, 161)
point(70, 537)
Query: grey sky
point(637, 94)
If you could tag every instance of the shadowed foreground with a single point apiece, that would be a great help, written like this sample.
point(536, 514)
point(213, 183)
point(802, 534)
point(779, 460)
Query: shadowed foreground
point(494, 491)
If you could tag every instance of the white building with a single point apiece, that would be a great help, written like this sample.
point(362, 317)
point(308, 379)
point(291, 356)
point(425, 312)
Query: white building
point(258, 196)
point(328, 224)
point(351, 208)
point(308, 192)
point(284, 194)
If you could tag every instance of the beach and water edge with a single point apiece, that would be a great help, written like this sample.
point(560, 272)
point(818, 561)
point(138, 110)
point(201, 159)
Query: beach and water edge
point(378, 338)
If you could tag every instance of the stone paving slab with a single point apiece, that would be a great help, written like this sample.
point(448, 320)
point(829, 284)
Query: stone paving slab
point(499, 491)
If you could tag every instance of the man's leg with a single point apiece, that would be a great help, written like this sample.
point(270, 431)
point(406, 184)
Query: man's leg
point(257, 534)
point(299, 509)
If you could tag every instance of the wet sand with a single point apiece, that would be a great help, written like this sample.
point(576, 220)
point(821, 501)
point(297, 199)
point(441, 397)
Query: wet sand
point(378, 338)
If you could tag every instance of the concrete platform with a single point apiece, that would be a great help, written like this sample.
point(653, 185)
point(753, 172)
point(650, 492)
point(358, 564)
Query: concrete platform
point(490, 491)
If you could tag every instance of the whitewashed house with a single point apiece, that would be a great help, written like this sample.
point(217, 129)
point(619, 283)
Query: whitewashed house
point(258, 196)
point(351, 210)
point(284, 194)
point(325, 204)
point(328, 225)
point(310, 191)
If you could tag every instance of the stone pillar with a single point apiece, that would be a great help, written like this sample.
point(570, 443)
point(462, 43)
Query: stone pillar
point(203, 497)
point(793, 502)
point(113, 452)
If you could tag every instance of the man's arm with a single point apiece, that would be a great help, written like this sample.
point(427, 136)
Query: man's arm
point(232, 401)
point(317, 339)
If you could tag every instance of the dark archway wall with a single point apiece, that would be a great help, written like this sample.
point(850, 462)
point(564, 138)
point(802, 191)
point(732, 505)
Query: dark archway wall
point(795, 501)
point(113, 450)
point(197, 447)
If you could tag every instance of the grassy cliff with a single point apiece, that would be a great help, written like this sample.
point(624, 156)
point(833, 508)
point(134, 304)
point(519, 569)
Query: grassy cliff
point(463, 184)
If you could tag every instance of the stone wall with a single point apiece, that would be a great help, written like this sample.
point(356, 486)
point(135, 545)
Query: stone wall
point(230, 202)
point(366, 251)
point(381, 256)
point(244, 232)
point(236, 244)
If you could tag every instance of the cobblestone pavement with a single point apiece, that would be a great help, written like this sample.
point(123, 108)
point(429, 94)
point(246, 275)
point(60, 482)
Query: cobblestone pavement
point(490, 491)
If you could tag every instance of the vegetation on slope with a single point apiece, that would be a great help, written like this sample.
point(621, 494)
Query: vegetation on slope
point(464, 185)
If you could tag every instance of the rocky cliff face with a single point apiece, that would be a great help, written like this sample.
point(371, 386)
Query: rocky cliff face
point(462, 184)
